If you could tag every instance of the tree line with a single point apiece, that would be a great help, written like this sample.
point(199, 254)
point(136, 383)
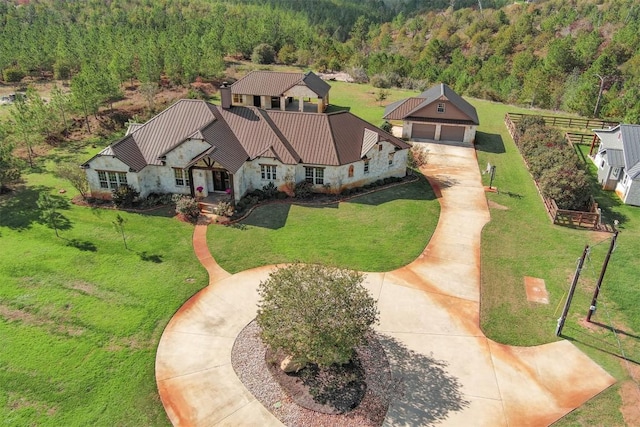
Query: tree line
point(579, 55)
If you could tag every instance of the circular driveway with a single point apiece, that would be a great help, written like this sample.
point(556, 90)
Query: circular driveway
point(448, 372)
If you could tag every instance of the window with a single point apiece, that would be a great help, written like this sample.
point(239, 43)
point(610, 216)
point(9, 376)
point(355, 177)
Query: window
point(351, 171)
point(182, 177)
point(615, 173)
point(237, 98)
point(112, 180)
point(440, 107)
point(268, 172)
point(391, 159)
point(625, 179)
point(379, 147)
point(314, 175)
point(366, 166)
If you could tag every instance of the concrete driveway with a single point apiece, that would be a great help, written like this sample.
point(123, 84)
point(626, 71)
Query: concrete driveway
point(446, 371)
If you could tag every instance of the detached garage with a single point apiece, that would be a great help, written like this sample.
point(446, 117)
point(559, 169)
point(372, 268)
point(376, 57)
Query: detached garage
point(438, 114)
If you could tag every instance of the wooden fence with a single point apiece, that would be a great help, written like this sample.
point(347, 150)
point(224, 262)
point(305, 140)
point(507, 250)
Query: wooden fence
point(567, 122)
point(559, 216)
point(579, 138)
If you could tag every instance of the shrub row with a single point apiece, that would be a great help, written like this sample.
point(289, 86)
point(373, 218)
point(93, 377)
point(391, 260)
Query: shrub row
point(553, 164)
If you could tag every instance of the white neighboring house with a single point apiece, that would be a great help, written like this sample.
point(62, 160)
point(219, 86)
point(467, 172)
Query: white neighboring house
point(618, 161)
point(237, 149)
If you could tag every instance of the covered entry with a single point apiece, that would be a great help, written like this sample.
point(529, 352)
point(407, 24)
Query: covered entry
point(218, 180)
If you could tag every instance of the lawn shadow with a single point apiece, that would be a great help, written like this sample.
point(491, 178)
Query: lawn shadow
point(334, 108)
point(579, 335)
point(83, 245)
point(419, 189)
point(19, 210)
point(616, 330)
point(272, 216)
point(154, 258)
point(422, 391)
point(489, 143)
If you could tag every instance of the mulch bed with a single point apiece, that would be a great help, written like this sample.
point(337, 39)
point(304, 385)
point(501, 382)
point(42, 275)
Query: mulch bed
point(249, 360)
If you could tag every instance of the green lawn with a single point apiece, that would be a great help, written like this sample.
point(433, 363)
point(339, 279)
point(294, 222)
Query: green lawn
point(80, 316)
point(521, 241)
point(380, 231)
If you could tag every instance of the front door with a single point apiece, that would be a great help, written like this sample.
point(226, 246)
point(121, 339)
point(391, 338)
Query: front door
point(220, 180)
point(256, 101)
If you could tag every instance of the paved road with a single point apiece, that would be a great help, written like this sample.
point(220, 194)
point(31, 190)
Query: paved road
point(449, 373)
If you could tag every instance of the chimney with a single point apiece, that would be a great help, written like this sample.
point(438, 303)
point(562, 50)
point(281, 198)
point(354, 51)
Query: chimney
point(225, 95)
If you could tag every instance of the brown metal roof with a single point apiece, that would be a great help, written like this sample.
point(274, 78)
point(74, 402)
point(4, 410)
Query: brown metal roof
point(404, 109)
point(327, 139)
point(239, 134)
point(274, 83)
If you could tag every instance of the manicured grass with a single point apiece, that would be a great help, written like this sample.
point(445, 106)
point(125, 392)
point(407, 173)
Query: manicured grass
point(81, 316)
point(521, 241)
point(380, 231)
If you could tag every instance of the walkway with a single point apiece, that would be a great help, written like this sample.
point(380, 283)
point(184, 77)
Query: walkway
point(451, 374)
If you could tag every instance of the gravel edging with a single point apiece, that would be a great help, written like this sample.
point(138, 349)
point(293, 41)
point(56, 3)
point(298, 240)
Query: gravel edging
point(248, 361)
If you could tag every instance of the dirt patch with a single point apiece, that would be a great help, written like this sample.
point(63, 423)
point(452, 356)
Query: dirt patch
point(54, 325)
point(536, 290)
point(630, 394)
point(494, 205)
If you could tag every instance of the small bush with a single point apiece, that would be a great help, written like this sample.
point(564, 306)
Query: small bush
point(303, 190)
point(269, 191)
point(263, 54)
point(386, 126)
point(418, 157)
point(187, 206)
point(124, 196)
point(223, 208)
point(12, 75)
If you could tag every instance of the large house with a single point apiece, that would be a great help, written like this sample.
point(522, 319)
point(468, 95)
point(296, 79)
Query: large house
point(437, 114)
point(194, 145)
point(279, 90)
point(618, 161)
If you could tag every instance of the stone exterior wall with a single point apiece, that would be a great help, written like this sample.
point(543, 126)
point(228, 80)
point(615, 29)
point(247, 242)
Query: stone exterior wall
point(108, 164)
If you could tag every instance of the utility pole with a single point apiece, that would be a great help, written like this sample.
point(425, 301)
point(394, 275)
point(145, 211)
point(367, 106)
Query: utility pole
point(594, 301)
point(595, 110)
point(565, 310)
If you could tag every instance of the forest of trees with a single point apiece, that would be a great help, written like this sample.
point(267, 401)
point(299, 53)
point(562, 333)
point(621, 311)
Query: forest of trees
point(556, 54)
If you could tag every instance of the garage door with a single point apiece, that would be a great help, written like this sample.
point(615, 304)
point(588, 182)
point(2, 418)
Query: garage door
point(422, 131)
point(452, 133)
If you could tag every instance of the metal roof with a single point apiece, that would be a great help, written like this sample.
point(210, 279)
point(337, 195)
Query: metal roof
point(238, 134)
point(626, 138)
point(404, 109)
point(275, 83)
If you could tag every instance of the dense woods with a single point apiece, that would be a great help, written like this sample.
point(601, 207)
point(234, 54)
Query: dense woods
point(550, 53)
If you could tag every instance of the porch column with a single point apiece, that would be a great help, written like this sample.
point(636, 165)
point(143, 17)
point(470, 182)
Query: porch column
point(301, 102)
point(283, 103)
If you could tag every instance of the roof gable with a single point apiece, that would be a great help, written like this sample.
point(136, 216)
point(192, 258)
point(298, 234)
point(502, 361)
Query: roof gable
point(625, 138)
point(275, 83)
point(411, 107)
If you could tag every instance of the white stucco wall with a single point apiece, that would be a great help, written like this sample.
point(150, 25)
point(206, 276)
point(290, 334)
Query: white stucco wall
point(109, 164)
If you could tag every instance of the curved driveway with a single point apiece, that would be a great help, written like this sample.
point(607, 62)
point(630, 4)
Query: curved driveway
point(447, 371)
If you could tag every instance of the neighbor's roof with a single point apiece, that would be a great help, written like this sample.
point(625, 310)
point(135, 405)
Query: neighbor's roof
point(627, 139)
point(275, 83)
point(404, 109)
point(238, 134)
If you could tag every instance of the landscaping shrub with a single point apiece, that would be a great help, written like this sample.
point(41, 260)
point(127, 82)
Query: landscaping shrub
point(418, 156)
point(527, 122)
point(12, 75)
point(549, 159)
point(269, 191)
point(124, 196)
point(303, 190)
point(386, 126)
point(187, 206)
point(569, 187)
point(223, 208)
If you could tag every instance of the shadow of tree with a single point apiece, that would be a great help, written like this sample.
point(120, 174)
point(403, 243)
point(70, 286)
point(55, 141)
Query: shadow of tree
point(489, 143)
point(155, 258)
point(83, 245)
point(272, 216)
point(19, 210)
point(423, 392)
point(61, 221)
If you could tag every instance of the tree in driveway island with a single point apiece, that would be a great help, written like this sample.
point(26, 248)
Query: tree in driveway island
point(315, 314)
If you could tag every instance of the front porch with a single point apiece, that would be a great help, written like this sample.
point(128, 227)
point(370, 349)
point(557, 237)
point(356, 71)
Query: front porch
point(208, 204)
